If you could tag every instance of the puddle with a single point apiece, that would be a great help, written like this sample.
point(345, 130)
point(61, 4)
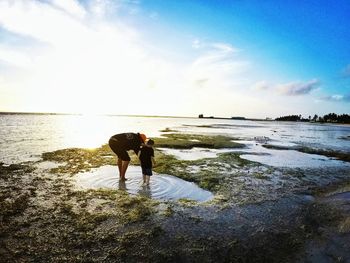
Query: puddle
point(291, 158)
point(162, 187)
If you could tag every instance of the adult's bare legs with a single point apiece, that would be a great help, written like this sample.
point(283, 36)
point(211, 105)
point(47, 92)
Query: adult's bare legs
point(120, 164)
point(125, 165)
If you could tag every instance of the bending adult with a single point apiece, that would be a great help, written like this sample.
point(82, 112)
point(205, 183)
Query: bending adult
point(120, 144)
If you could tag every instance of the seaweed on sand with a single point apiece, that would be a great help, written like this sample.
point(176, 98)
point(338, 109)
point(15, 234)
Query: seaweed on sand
point(76, 159)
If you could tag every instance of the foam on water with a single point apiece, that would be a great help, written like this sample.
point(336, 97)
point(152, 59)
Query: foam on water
point(163, 187)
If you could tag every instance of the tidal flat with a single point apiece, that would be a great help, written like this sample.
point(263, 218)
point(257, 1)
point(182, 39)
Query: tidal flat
point(258, 213)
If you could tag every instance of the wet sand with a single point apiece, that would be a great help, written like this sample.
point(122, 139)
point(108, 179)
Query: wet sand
point(45, 218)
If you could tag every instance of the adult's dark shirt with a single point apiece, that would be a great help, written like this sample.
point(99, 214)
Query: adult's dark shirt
point(145, 156)
point(128, 141)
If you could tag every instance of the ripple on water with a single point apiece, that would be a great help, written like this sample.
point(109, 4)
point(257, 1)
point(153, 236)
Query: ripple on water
point(163, 187)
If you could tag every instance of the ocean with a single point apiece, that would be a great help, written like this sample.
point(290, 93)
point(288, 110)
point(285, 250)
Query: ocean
point(24, 137)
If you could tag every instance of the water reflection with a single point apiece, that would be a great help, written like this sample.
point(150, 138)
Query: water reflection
point(145, 190)
point(122, 185)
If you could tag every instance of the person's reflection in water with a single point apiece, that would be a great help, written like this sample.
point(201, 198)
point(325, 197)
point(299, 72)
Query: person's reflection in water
point(145, 190)
point(122, 185)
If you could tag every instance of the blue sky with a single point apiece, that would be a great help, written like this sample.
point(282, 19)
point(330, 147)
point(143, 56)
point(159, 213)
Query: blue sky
point(305, 40)
point(223, 58)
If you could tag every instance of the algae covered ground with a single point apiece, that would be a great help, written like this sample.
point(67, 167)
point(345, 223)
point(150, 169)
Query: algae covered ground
point(259, 213)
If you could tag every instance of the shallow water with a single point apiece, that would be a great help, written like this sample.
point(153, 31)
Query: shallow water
point(26, 137)
point(287, 158)
point(162, 187)
point(254, 151)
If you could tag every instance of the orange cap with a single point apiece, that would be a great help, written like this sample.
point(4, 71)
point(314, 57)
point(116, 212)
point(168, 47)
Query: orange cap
point(143, 137)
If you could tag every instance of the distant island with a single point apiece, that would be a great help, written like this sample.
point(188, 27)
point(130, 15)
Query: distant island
point(330, 117)
point(201, 116)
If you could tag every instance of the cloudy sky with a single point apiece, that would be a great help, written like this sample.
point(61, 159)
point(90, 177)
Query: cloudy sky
point(175, 57)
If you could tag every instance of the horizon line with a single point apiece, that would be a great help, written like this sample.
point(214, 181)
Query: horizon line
point(98, 114)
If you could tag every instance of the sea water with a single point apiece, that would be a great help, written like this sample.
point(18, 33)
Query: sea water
point(24, 137)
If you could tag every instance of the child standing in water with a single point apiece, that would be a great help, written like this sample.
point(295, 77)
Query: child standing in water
point(146, 156)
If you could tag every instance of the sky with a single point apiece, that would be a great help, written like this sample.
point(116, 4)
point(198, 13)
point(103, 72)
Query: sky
point(255, 58)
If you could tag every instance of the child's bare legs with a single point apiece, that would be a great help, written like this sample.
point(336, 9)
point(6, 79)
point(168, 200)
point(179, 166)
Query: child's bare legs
point(144, 178)
point(147, 179)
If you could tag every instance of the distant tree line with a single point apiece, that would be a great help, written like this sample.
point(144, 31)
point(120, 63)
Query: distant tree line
point(330, 117)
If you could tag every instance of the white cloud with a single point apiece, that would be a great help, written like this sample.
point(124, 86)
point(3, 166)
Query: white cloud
point(14, 57)
point(154, 15)
point(220, 66)
point(225, 47)
point(99, 7)
point(89, 65)
point(196, 44)
point(70, 6)
point(95, 65)
point(41, 21)
point(261, 85)
point(337, 98)
point(298, 88)
point(289, 89)
point(346, 71)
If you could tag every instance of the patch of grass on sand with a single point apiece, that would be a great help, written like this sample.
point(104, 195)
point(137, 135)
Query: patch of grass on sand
point(235, 159)
point(187, 202)
point(210, 177)
point(77, 160)
point(13, 206)
point(135, 208)
point(127, 208)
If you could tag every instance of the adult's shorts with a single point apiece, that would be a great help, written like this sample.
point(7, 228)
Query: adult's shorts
point(119, 150)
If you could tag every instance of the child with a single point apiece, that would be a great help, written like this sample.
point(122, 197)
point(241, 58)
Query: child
point(146, 156)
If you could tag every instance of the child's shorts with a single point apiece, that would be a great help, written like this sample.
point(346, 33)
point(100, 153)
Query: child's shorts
point(147, 171)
